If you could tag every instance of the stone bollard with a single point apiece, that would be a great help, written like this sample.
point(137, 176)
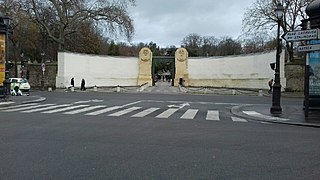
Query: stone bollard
point(50, 89)
point(118, 88)
point(95, 89)
point(233, 92)
point(72, 89)
point(260, 93)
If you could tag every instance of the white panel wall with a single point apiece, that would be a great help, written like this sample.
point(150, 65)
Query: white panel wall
point(96, 70)
point(250, 71)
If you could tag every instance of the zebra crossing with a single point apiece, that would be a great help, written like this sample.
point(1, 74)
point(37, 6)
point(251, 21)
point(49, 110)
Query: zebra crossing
point(117, 111)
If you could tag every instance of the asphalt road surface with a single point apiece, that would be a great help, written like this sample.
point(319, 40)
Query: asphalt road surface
point(90, 135)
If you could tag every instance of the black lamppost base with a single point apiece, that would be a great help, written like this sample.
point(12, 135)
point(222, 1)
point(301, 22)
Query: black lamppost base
point(276, 110)
point(42, 85)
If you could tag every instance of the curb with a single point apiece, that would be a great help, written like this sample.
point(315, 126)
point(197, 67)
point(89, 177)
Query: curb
point(40, 99)
point(236, 110)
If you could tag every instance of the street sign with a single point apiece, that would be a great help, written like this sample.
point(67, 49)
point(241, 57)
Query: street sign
point(308, 48)
point(43, 67)
point(303, 35)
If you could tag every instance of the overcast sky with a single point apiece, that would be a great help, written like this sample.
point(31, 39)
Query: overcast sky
point(167, 22)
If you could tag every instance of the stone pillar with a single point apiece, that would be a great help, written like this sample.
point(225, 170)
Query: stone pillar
point(145, 67)
point(181, 63)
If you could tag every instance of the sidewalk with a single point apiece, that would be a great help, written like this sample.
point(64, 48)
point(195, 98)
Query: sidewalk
point(292, 115)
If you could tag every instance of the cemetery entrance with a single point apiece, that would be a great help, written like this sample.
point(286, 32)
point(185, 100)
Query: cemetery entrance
point(163, 69)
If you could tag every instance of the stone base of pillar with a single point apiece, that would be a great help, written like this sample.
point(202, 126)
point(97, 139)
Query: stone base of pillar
point(144, 79)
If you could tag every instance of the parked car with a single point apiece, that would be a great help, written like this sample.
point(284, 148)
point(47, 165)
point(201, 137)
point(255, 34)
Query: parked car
point(20, 83)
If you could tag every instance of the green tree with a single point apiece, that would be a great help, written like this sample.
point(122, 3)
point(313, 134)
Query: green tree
point(229, 47)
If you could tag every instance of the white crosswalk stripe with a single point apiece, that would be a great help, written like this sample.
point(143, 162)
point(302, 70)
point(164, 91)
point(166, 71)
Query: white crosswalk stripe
point(46, 108)
point(213, 115)
point(145, 112)
point(29, 107)
point(125, 111)
point(236, 119)
point(103, 111)
point(189, 114)
point(117, 111)
point(167, 113)
point(84, 110)
point(18, 106)
point(6, 103)
point(64, 109)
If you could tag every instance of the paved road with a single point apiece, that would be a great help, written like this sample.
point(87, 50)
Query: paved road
point(150, 136)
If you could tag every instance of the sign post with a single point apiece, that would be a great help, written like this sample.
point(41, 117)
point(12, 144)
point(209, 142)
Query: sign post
point(312, 69)
point(43, 68)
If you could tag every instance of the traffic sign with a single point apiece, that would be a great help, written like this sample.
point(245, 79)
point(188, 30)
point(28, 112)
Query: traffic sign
point(307, 48)
point(303, 35)
point(43, 67)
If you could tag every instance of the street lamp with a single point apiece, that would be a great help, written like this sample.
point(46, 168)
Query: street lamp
point(4, 26)
point(276, 94)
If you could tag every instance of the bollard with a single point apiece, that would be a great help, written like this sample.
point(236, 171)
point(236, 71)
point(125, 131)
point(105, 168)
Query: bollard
point(49, 89)
point(72, 89)
point(260, 93)
point(95, 88)
point(233, 92)
point(118, 88)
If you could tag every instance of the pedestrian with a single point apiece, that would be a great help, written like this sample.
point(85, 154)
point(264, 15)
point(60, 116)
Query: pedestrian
point(72, 82)
point(270, 83)
point(83, 85)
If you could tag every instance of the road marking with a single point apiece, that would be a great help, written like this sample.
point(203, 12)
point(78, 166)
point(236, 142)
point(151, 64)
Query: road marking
point(103, 110)
point(167, 113)
point(145, 112)
point(125, 111)
point(189, 114)
point(29, 107)
point(236, 119)
point(46, 108)
point(17, 106)
point(84, 110)
point(180, 106)
point(64, 109)
point(5, 103)
point(213, 115)
point(259, 115)
point(93, 100)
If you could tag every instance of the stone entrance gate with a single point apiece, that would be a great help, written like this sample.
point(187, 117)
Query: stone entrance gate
point(146, 69)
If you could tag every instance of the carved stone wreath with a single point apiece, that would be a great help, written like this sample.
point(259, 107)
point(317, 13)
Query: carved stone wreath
point(145, 54)
point(181, 55)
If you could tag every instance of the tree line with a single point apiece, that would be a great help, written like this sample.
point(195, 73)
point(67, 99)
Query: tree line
point(41, 28)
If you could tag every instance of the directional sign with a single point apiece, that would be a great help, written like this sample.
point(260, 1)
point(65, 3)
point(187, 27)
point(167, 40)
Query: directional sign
point(303, 35)
point(308, 48)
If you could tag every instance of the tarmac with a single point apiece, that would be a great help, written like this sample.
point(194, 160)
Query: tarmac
point(291, 115)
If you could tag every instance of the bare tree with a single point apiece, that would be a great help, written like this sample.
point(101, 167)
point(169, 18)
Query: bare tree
point(261, 17)
point(61, 18)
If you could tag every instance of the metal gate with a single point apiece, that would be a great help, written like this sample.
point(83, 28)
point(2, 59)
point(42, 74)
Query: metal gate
point(161, 65)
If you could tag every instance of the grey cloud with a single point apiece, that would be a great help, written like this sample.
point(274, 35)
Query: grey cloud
point(167, 22)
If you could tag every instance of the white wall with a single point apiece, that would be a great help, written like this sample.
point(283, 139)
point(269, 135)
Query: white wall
point(250, 71)
point(96, 70)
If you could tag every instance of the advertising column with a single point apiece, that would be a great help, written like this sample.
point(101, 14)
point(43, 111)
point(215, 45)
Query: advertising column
point(314, 72)
point(2, 59)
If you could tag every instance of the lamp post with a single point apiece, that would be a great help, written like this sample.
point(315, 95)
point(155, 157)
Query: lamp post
point(43, 69)
point(4, 26)
point(276, 94)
